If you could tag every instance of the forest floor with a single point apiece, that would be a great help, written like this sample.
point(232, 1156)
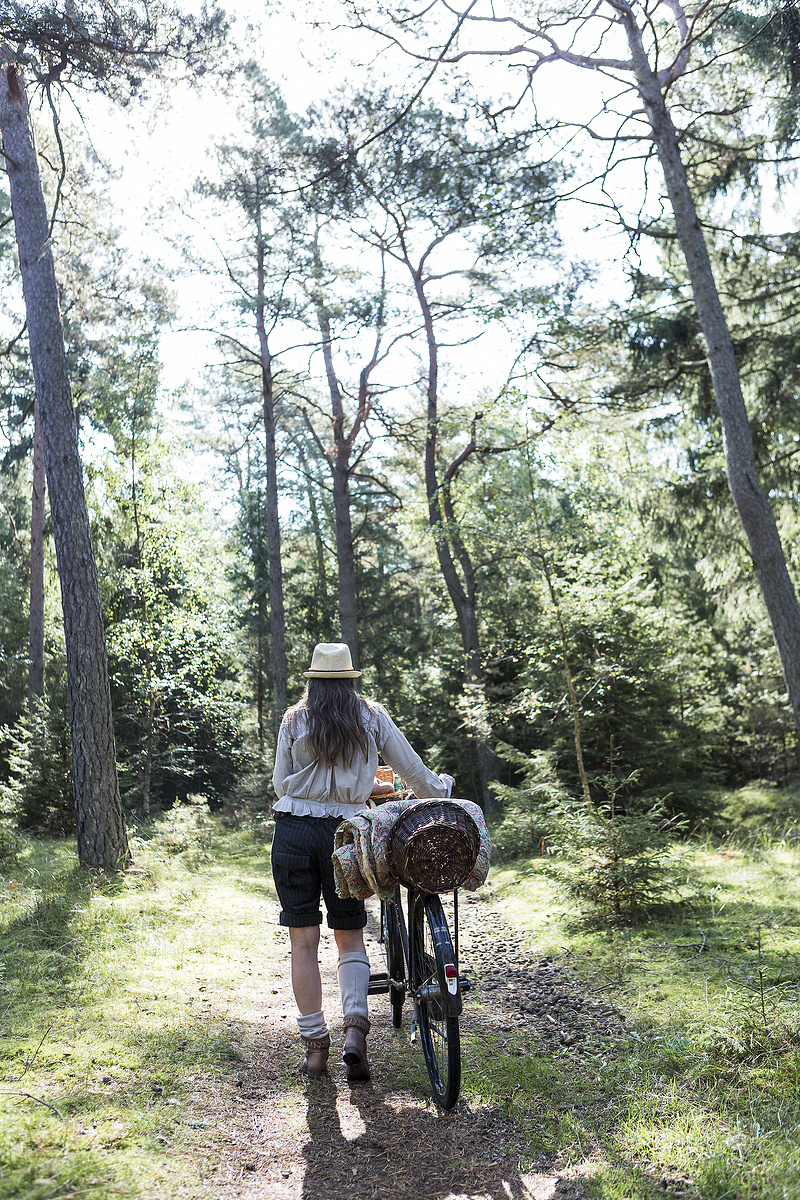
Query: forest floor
point(330, 1139)
point(148, 1047)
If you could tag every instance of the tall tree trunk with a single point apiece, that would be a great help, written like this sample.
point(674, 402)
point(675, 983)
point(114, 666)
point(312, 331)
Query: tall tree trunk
point(448, 542)
point(752, 505)
point(562, 633)
point(36, 610)
point(149, 745)
point(319, 545)
point(102, 839)
point(276, 608)
point(253, 509)
point(260, 624)
point(345, 556)
point(150, 709)
point(340, 470)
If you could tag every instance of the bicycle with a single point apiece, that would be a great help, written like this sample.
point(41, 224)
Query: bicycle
point(422, 961)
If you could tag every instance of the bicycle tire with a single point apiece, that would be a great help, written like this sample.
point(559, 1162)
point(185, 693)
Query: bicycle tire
point(431, 951)
point(395, 963)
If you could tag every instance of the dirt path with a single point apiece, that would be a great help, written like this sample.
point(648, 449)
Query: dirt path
point(283, 1138)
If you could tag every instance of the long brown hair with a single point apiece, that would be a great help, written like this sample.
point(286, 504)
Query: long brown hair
point(335, 713)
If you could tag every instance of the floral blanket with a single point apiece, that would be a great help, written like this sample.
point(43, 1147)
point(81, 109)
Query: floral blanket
point(361, 865)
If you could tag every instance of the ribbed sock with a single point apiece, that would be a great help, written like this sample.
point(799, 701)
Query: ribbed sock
point(354, 983)
point(312, 1025)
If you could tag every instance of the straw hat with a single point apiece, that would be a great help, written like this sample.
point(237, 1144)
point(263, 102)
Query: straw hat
point(331, 660)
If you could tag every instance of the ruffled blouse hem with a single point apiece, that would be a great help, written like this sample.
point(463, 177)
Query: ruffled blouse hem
point(310, 808)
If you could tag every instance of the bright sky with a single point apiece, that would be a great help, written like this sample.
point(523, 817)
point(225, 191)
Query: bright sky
point(158, 148)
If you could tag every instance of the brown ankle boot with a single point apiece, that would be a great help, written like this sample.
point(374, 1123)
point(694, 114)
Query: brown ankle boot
point(315, 1063)
point(355, 1048)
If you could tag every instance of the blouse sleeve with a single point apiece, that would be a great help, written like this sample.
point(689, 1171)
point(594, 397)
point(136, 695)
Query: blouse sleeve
point(283, 762)
point(403, 759)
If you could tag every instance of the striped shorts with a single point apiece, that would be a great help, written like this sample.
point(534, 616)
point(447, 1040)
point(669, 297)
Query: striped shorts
point(302, 870)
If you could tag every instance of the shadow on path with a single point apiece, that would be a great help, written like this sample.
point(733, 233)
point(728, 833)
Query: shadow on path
point(364, 1144)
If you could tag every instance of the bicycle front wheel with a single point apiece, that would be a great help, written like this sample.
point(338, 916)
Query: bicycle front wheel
point(432, 953)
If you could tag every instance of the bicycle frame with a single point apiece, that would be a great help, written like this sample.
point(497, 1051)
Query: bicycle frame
point(448, 997)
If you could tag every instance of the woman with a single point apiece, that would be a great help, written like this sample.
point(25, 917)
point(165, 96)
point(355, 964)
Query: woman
point(325, 764)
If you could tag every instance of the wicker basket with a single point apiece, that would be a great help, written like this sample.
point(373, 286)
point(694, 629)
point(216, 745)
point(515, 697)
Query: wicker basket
point(433, 846)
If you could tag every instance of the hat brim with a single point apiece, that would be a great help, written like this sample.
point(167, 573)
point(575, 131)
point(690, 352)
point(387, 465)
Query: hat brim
point(332, 674)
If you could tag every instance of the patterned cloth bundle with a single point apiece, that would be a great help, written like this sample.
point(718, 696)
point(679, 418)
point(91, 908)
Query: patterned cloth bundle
point(361, 866)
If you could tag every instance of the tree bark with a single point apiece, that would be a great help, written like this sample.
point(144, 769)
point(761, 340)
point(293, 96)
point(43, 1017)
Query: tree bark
point(573, 697)
point(755, 513)
point(339, 459)
point(36, 610)
point(448, 541)
point(319, 545)
point(102, 839)
point(340, 471)
point(260, 625)
point(276, 606)
point(345, 551)
point(150, 709)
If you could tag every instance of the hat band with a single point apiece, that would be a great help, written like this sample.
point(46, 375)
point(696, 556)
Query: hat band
point(347, 671)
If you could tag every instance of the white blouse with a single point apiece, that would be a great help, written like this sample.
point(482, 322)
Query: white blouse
point(307, 787)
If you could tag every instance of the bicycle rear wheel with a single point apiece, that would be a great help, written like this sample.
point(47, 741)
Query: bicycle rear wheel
point(431, 954)
point(395, 963)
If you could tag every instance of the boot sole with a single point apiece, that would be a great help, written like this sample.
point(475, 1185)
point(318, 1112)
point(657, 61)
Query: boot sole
point(357, 1068)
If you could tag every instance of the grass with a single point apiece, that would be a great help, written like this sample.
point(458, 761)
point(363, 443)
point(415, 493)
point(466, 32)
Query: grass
point(119, 1005)
point(115, 999)
point(702, 1097)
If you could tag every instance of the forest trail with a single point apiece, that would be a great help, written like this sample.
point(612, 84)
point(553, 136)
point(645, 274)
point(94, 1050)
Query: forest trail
point(276, 1136)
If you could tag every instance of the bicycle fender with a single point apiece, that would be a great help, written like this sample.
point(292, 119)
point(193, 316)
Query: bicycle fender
point(450, 992)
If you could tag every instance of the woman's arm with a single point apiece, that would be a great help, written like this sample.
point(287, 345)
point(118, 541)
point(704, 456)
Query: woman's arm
point(283, 762)
point(403, 758)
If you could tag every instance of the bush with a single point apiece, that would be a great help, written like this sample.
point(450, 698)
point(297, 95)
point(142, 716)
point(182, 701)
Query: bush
point(622, 860)
point(528, 808)
point(9, 842)
point(186, 827)
point(38, 797)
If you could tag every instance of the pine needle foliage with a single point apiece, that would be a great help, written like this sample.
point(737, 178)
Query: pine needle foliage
point(38, 796)
point(529, 807)
point(623, 862)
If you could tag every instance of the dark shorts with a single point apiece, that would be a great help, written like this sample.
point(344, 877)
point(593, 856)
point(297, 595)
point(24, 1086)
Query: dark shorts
point(302, 870)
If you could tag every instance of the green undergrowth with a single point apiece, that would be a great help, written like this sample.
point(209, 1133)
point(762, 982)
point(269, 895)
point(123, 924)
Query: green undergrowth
point(700, 1095)
point(115, 1008)
point(121, 1027)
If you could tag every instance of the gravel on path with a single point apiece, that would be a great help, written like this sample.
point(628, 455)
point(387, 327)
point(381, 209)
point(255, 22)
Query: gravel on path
point(374, 1140)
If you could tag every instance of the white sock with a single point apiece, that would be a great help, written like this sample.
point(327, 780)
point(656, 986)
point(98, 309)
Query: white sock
point(312, 1025)
point(354, 983)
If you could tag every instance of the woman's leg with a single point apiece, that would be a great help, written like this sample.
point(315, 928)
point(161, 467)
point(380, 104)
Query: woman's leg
point(354, 985)
point(298, 884)
point(350, 941)
point(307, 988)
point(306, 982)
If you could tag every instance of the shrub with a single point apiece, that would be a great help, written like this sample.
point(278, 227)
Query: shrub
point(528, 808)
point(38, 796)
point(186, 827)
point(622, 860)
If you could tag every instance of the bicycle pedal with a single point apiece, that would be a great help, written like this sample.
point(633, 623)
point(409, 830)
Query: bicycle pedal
point(464, 983)
point(379, 984)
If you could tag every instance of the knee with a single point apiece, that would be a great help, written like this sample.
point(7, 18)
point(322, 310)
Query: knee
point(304, 937)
